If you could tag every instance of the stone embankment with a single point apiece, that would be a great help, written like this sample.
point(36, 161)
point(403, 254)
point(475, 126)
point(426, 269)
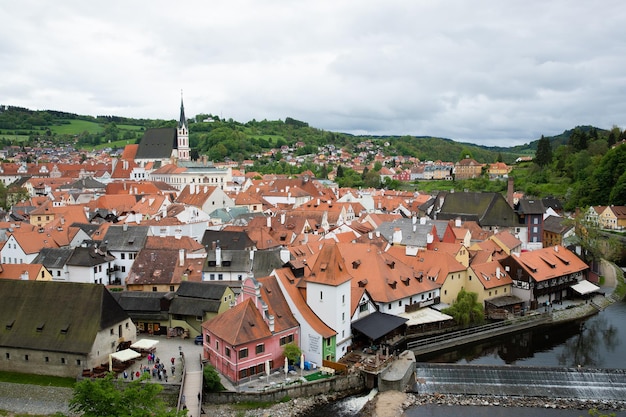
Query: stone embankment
point(397, 402)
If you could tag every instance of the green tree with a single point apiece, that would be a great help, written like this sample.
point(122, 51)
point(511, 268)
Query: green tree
point(292, 352)
point(595, 243)
point(211, 381)
point(108, 396)
point(466, 309)
point(543, 156)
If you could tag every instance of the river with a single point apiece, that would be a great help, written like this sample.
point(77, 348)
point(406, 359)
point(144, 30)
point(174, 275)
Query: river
point(597, 342)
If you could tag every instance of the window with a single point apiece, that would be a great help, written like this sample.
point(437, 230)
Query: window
point(154, 289)
point(26, 358)
point(286, 339)
point(212, 277)
point(8, 355)
point(111, 332)
point(220, 277)
point(243, 373)
point(95, 269)
point(227, 352)
point(243, 353)
point(78, 362)
point(46, 359)
point(343, 317)
point(260, 348)
point(321, 295)
point(363, 308)
point(208, 339)
point(123, 256)
point(217, 345)
point(123, 269)
point(63, 361)
point(172, 288)
point(343, 299)
point(389, 306)
point(400, 303)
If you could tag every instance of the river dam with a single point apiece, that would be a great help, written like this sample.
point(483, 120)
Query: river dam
point(521, 381)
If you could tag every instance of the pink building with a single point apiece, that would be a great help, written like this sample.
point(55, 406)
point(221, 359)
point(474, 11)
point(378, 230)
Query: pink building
point(240, 341)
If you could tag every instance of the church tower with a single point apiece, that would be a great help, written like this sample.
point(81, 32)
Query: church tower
point(182, 134)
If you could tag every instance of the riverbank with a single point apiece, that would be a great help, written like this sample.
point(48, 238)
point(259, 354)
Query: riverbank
point(393, 403)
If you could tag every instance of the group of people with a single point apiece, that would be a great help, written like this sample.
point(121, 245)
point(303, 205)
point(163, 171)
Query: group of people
point(156, 371)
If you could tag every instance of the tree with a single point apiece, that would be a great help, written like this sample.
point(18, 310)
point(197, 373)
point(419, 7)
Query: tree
point(109, 396)
point(543, 155)
point(594, 243)
point(211, 380)
point(292, 352)
point(466, 309)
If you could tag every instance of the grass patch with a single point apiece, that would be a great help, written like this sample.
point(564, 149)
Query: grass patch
point(45, 380)
point(315, 376)
point(75, 127)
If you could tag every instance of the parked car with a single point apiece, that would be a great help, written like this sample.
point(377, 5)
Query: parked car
point(198, 340)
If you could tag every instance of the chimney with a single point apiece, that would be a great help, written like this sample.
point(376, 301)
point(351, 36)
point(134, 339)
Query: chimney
point(268, 222)
point(413, 220)
point(181, 257)
point(498, 274)
point(423, 220)
point(457, 222)
point(24, 276)
point(282, 218)
point(218, 256)
point(370, 235)
point(509, 191)
point(270, 323)
point(429, 238)
point(125, 227)
point(397, 235)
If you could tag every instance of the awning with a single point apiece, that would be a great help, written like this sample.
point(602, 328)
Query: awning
point(125, 355)
point(585, 287)
point(144, 344)
point(377, 324)
point(424, 316)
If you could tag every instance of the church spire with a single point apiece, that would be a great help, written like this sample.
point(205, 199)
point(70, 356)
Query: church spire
point(183, 121)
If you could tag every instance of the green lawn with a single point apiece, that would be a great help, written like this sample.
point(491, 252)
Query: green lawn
point(19, 378)
point(77, 126)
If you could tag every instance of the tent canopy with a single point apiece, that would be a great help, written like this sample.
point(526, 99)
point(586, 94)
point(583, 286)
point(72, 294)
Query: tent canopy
point(144, 344)
point(424, 316)
point(585, 287)
point(377, 324)
point(125, 355)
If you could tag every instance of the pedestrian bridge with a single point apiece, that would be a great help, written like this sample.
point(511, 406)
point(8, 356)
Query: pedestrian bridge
point(522, 381)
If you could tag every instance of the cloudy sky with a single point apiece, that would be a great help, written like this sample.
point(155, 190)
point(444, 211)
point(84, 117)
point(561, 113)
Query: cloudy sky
point(485, 71)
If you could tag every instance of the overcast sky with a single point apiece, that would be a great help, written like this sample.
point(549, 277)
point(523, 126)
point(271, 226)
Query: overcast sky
point(489, 72)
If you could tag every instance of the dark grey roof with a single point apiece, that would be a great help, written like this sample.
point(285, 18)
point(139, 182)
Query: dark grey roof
point(488, 209)
point(55, 316)
point(556, 224)
point(89, 256)
point(84, 183)
point(227, 240)
point(205, 290)
point(265, 261)
point(194, 306)
point(146, 305)
point(126, 238)
point(157, 143)
point(552, 202)
point(375, 325)
point(530, 206)
point(413, 234)
point(53, 257)
point(88, 228)
point(232, 260)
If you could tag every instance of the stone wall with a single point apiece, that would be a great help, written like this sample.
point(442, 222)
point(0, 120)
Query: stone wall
point(346, 384)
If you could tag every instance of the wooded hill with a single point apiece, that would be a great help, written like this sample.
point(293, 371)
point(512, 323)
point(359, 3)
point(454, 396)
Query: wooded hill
point(578, 165)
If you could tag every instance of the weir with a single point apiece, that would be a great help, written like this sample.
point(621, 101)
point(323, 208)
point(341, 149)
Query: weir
point(511, 381)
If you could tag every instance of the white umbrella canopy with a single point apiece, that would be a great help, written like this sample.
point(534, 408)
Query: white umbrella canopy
point(144, 344)
point(267, 369)
point(286, 365)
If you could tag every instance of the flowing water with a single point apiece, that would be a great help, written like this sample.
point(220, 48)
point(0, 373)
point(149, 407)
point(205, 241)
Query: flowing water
point(597, 342)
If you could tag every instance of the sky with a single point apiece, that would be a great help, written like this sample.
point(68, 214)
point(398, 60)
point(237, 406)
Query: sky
point(490, 72)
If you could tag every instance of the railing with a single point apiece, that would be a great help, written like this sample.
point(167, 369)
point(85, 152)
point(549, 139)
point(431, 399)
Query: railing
point(460, 334)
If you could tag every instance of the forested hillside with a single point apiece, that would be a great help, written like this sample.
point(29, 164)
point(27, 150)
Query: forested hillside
point(582, 165)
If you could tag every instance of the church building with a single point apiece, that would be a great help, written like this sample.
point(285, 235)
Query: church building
point(165, 145)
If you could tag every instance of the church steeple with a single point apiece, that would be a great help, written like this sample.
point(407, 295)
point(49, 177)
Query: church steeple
point(182, 134)
point(182, 123)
